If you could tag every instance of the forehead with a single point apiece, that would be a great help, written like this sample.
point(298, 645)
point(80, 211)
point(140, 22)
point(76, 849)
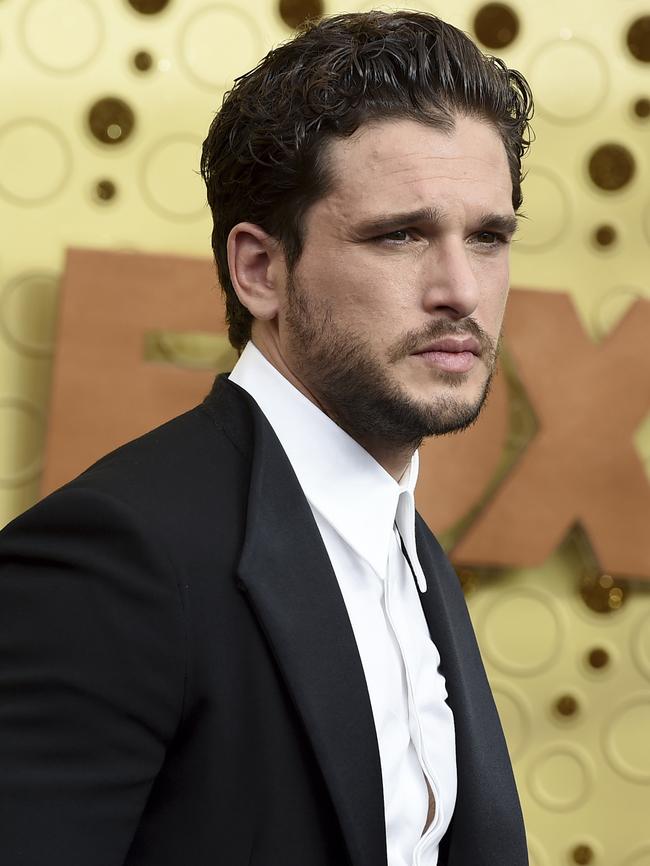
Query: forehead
point(402, 165)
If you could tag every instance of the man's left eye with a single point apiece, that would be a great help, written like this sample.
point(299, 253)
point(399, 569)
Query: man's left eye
point(490, 239)
point(399, 235)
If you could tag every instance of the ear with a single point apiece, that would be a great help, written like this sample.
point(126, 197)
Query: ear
point(257, 269)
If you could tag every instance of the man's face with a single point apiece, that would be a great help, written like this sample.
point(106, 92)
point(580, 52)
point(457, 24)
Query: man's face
point(392, 314)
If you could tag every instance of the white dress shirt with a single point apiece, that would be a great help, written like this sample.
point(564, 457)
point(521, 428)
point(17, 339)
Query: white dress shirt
point(361, 511)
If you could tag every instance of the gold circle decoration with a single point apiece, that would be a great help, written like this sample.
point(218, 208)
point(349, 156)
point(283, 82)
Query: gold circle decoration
point(626, 743)
point(611, 167)
point(535, 852)
point(297, 12)
point(547, 205)
point(640, 857)
point(496, 25)
point(20, 457)
point(111, 120)
point(638, 39)
point(169, 181)
point(610, 309)
point(218, 43)
point(589, 80)
point(522, 631)
point(35, 161)
point(148, 7)
point(62, 35)
point(515, 717)
point(28, 306)
point(561, 777)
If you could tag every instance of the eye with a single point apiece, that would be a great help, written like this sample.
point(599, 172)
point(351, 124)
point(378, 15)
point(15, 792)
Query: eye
point(398, 236)
point(491, 239)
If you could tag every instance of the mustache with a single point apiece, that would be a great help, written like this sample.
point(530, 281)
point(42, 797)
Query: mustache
point(417, 339)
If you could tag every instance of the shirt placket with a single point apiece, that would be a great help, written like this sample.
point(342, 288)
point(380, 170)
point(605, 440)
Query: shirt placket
point(394, 593)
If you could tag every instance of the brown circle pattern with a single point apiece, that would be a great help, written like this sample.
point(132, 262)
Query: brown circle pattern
point(638, 39)
point(566, 705)
point(598, 658)
point(496, 25)
point(148, 7)
point(142, 61)
point(105, 190)
point(590, 90)
point(111, 120)
point(611, 167)
point(605, 236)
point(641, 107)
point(296, 12)
point(582, 854)
point(601, 593)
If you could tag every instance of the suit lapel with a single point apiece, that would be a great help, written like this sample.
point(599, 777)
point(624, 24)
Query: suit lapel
point(487, 826)
point(291, 585)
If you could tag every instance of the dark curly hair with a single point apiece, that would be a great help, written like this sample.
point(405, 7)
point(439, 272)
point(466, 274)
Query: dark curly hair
point(265, 157)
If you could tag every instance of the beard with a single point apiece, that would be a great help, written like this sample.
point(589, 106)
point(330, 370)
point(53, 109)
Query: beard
point(343, 373)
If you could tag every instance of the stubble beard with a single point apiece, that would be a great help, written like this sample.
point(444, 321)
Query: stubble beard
point(340, 369)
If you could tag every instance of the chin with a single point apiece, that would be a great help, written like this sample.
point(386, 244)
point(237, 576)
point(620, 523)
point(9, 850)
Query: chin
point(459, 389)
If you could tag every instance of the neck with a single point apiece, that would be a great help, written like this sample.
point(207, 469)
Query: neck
point(394, 459)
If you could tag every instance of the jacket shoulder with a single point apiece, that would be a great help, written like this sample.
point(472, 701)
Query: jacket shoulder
point(182, 460)
point(171, 478)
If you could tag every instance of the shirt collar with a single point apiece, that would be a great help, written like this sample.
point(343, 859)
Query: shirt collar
point(405, 520)
point(340, 479)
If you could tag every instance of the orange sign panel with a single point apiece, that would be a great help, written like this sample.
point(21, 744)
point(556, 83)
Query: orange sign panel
point(141, 337)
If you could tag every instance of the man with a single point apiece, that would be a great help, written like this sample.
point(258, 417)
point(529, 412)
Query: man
point(233, 641)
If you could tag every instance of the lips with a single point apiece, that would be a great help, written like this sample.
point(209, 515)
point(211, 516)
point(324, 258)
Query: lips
point(452, 344)
point(451, 354)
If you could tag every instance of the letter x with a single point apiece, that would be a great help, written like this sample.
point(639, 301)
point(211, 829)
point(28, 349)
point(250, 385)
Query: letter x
point(581, 466)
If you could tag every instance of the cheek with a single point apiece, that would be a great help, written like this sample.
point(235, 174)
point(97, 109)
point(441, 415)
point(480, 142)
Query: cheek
point(380, 306)
point(495, 283)
point(356, 288)
point(499, 297)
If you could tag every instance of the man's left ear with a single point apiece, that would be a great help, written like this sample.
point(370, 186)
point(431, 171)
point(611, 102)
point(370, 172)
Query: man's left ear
point(256, 264)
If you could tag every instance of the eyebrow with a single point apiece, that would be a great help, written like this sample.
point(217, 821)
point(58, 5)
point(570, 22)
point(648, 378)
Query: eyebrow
point(507, 223)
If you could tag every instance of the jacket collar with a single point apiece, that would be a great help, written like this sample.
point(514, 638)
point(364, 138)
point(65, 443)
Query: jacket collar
point(341, 480)
point(287, 576)
point(487, 805)
point(293, 591)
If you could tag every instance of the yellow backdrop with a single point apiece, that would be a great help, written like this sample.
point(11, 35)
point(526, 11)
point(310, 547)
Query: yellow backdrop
point(104, 107)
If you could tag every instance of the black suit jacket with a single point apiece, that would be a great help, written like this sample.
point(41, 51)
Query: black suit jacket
point(179, 680)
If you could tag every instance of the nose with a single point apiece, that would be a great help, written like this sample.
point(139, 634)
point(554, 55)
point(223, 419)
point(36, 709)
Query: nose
point(451, 286)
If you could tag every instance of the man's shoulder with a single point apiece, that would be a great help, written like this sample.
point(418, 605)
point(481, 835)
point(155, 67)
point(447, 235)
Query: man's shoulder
point(199, 443)
point(195, 463)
